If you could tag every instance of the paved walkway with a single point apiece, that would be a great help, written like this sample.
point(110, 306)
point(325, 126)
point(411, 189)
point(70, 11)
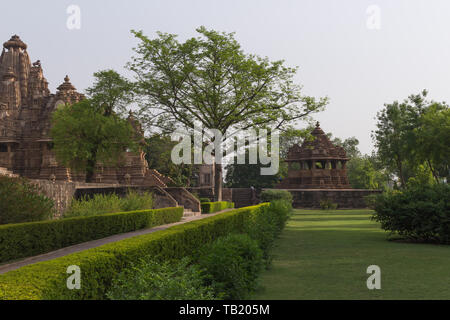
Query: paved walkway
point(96, 243)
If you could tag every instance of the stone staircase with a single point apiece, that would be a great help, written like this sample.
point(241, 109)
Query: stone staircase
point(188, 213)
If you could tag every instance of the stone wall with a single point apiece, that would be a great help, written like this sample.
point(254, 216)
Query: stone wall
point(61, 192)
point(345, 198)
point(242, 197)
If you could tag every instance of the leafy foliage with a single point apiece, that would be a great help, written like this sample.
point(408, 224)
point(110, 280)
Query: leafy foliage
point(83, 137)
point(111, 93)
point(363, 174)
point(413, 133)
point(267, 224)
point(158, 155)
point(109, 203)
point(232, 264)
point(420, 212)
point(328, 205)
point(209, 80)
point(22, 201)
point(155, 280)
point(249, 175)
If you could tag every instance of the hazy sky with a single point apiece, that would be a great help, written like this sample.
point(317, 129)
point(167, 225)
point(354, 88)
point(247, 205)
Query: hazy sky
point(358, 67)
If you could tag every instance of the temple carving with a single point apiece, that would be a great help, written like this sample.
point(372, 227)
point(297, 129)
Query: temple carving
point(316, 164)
point(26, 105)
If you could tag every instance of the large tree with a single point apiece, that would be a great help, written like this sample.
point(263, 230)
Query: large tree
point(93, 130)
point(411, 134)
point(209, 80)
point(433, 140)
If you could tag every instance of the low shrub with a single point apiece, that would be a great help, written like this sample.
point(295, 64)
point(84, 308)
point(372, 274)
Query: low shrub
point(328, 205)
point(211, 207)
point(109, 203)
point(99, 266)
point(151, 279)
point(421, 212)
point(274, 194)
point(232, 265)
point(22, 201)
point(28, 239)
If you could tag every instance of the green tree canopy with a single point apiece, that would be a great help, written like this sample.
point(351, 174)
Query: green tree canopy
point(82, 137)
point(412, 133)
point(209, 80)
point(93, 130)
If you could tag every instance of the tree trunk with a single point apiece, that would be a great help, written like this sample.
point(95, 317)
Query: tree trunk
point(90, 168)
point(435, 176)
point(218, 182)
point(400, 172)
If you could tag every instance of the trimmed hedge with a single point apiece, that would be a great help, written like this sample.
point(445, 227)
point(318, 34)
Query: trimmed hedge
point(47, 280)
point(211, 207)
point(274, 194)
point(32, 238)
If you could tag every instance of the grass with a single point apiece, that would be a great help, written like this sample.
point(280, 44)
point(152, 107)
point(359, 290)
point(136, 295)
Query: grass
point(325, 255)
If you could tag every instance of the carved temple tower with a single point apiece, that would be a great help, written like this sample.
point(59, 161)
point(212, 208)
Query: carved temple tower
point(26, 105)
point(316, 164)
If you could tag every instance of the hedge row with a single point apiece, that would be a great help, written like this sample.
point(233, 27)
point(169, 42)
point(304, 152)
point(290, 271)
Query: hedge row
point(47, 280)
point(210, 207)
point(32, 238)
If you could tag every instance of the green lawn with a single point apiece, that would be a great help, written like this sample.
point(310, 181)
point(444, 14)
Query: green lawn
point(325, 255)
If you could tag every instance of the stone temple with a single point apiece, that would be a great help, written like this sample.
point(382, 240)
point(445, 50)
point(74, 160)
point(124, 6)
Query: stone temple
point(316, 164)
point(26, 105)
point(317, 172)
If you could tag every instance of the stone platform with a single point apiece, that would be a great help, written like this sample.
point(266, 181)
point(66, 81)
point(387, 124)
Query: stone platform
point(345, 198)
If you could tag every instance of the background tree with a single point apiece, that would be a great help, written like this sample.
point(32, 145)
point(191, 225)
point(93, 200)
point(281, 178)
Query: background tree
point(93, 130)
point(433, 140)
point(350, 145)
point(249, 175)
point(209, 80)
point(363, 174)
point(363, 171)
point(158, 155)
point(83, 136)
point(411, 134)
point(111, 92)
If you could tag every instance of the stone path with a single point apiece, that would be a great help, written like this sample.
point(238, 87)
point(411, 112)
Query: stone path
point(96, 243)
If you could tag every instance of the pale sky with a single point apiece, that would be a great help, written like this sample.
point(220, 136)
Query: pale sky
point(339, 56)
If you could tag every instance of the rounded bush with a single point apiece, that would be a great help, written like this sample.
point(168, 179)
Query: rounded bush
point(420, 212)
point(22, 201)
